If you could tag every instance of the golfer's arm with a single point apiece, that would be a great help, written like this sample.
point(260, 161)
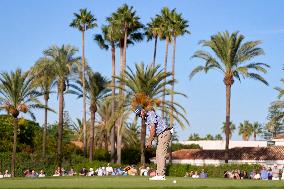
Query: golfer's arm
point(152, 132)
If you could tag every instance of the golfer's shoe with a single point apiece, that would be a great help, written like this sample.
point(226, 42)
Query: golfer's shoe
point(158, 178)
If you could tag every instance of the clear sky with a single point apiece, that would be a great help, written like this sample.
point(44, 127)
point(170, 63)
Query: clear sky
point(28, 27)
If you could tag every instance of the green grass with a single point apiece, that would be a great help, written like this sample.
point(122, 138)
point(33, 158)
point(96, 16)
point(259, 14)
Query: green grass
point(134, 182)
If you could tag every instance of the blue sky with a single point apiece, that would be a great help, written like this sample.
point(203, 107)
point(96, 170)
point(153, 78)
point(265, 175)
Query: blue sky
point(28, 27)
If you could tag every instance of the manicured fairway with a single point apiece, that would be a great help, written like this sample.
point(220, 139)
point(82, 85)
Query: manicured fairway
point(134, 182)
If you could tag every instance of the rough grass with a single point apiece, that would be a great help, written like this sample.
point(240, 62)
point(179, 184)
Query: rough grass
point(135, 182)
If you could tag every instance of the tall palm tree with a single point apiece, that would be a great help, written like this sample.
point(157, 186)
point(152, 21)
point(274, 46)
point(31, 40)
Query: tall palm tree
point(245, 130)
point(44, 80)
point(18, 95)
point(63, 62)
point(144, 85)
point(153, 31)
point(179, 28)
point(84, 21)
point(256, 129)
point(232, 128)
point(96, 88)
point(232, 58)
point(127, 21)
point(109, 38)
point(166, 33)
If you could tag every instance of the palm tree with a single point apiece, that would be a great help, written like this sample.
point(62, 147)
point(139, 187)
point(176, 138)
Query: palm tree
point(218, 137)
point(179, 28)
point(209, 137)
point(256, 129)
point(84, 21)
point(166, 33)
point(232, 60)
point(44, 79)
point(194, 136)
point(144, 85)
point(153, 30)
point(96, 88)
point(109, 38)
point(18, 95)
point(127, 21)
point(232, 128)
point(63, 61)
point(245, 130)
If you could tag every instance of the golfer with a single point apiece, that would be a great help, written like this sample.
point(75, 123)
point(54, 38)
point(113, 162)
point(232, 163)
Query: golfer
point(159, 129)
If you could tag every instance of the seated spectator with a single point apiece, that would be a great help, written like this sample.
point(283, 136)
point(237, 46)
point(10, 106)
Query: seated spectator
point(7, 174)
point(252, 174)
point(269, 170)
point(33, 173)
point(188, 174)
point(1, 175)
point(245, 175)
point(83, 172)
point(109, 169)
point(56, 172)
point(100, 171)
point(26, 173)
point(229, 174)
point(152, 173)
point(195, 175)
point(71, 172)
point(132, 171)
point(203, 174)
point(236, 174)
point(264, 174)
point(143, 171)
point(91, 172)
point(41, 173)
point(275, 172)
point(257, 176)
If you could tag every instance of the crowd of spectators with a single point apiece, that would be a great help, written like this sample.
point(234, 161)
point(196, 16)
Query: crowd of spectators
point(195, 174)
point(265, 173)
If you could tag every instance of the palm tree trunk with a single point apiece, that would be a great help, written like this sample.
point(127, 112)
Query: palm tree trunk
point(119, 140)
point(172, 99)
point(165, 71)
point(106, 141)
point(228, 107)
point(112, 135)
point(45, 126)
point(84, 96)
point(14, 147)
point(142, 145)
point(254, 136)
point(155, 50)
point(92, 122)
point(60, 125)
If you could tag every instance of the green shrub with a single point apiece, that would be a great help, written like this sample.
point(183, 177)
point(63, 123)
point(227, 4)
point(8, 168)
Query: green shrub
point(177, 146)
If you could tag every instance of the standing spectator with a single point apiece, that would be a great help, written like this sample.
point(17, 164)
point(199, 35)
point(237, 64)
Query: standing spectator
point(264, 174)
point(275, 172)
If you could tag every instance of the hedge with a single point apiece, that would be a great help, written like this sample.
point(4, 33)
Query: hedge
point(179, 170)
